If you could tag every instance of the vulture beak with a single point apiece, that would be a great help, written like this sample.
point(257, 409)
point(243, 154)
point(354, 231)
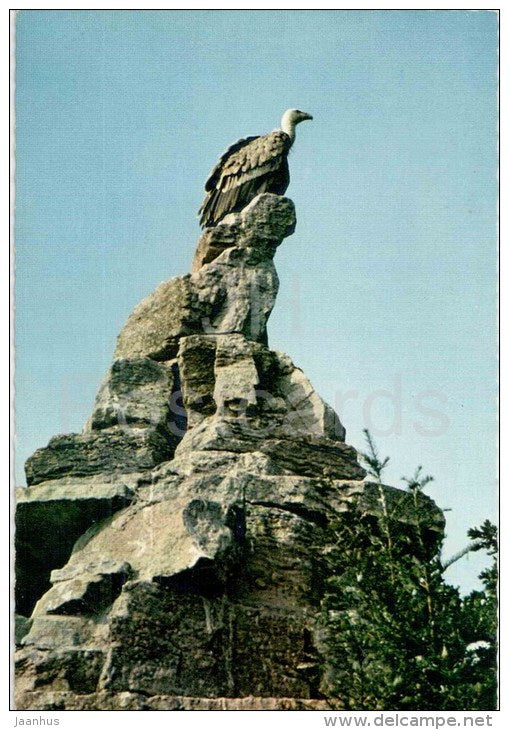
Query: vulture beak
point(306, 116)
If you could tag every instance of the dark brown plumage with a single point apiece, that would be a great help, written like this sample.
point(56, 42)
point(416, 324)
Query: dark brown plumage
point(249, 167)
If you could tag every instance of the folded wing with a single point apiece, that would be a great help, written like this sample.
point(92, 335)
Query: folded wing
point(249, 167)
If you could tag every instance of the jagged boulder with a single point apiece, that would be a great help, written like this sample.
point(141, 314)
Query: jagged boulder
point(50, 517)
point(111, 451)
point(228, 375)
point(232, 288)
point(261, 226)
point(221, 558)
point(183, 538)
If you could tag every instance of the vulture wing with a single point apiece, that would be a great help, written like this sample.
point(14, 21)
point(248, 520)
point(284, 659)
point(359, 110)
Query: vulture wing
point(216, 172)
point(251, 166)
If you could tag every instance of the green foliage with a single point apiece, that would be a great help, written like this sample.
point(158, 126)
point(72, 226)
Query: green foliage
point(399, 636)
point(418, 481)
point(373, 463)
point(485, 538)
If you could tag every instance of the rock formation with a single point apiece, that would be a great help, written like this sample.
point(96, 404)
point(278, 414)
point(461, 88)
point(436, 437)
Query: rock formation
point(173, 554)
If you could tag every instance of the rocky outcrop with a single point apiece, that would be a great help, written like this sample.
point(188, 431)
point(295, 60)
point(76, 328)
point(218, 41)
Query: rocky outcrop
point(182, 538)
point(49, 520)
point(233, 286)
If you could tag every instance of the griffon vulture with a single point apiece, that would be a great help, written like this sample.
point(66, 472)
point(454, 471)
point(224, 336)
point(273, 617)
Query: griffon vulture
point(249, 167)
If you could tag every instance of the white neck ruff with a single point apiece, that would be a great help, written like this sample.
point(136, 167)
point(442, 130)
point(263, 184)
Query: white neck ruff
point(288, 127)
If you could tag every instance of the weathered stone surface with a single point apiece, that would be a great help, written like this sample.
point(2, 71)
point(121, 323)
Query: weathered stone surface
point(262, 225)
point(61, 700)
point(237, 293)
point(110, 451)
point(68, 670)
point(266, 220)
point(50, 632)
point(155, 325)
point(229, 376)
point(206, 570)
point(311, 456)
point(78, 593)
point(302, 455)
point(137, 421)
point(136, 393)
point(208, 647)
point(214, 566)
point(22, 626)
point(308, 413)
point(236, 376)
point(173, 556)
point(212, 243)
point(233, 286)
point(49, 519)
point(156, 539)
point(196, 359)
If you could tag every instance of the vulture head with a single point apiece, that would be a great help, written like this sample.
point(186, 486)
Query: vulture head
point(290, 119)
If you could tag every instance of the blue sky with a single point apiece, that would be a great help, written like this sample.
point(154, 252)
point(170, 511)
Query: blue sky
point(388, 286)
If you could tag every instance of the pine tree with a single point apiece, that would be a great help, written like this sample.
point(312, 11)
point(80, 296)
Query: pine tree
point(399, 636)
